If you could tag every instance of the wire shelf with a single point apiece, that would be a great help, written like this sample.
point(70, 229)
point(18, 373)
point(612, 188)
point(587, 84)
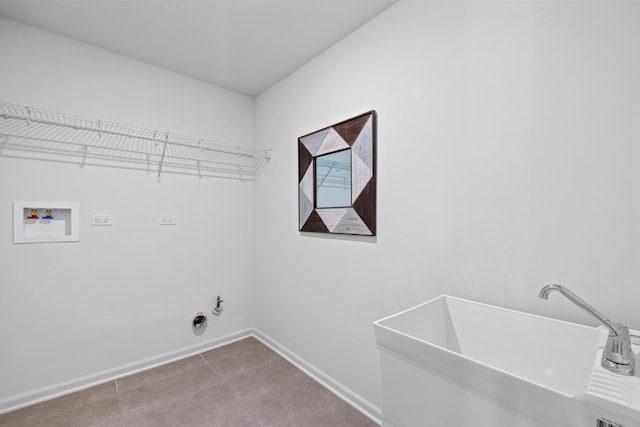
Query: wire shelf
point(35, 133)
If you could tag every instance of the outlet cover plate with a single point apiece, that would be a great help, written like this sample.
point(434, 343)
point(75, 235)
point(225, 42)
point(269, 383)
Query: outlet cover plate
point(167, 219)
point(101, 219)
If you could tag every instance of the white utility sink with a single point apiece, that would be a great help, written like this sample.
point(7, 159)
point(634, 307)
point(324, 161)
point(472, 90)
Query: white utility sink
point(534, 368)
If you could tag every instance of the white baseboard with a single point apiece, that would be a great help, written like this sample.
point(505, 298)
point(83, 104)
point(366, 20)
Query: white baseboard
point(352, 398)
point(32, 397)
point(56, 390)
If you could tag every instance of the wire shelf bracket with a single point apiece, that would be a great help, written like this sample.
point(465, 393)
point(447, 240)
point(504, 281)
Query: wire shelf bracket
point(54, 136)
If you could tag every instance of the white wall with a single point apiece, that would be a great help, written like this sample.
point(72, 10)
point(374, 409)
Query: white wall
point(507, 159)
point(123, 296)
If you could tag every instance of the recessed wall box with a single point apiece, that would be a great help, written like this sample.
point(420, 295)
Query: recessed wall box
point(37, 222)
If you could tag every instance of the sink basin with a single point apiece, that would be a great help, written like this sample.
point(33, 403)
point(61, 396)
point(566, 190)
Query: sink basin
point(530, 365)
point(549, 353)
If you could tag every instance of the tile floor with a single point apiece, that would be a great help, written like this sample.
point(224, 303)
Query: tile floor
point(242, 384)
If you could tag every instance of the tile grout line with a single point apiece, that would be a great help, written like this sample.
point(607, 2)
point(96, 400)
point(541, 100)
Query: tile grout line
point(119, 404)
point(206, 363)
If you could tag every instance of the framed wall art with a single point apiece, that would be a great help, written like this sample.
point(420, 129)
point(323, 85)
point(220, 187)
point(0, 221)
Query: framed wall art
point(337, 178)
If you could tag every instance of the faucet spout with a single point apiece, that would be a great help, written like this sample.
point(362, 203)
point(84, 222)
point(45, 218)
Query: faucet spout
point(617, 355)
point(546, 290)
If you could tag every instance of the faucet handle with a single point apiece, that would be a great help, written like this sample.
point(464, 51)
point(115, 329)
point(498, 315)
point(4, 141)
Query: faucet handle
point(617, 355)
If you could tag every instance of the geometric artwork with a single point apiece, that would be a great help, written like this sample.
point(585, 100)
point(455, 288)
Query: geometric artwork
point(337, 178)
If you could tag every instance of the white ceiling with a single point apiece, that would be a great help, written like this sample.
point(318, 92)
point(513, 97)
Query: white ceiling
point(243, 45)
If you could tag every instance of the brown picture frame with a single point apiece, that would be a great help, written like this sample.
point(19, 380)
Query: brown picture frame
point(358, 135)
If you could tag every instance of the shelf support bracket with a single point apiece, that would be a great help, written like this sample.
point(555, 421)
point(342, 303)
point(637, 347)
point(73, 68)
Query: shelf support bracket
point(164, 149)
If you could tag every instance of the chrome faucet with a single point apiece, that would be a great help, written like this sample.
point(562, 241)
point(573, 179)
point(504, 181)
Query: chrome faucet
point(617, 355)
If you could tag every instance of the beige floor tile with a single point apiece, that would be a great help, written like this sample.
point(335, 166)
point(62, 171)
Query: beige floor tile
point(103, 412)
point(230, 349)
point(206, 407)
point(249, 360)
point(164, 391)
point(274, 378)
point(134, 381)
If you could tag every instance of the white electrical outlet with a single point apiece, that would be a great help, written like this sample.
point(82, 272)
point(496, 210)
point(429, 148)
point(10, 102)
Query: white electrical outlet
point(101, 220)
point(167, 220)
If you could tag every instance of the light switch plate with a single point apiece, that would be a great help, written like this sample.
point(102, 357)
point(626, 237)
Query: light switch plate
point(167, 220)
